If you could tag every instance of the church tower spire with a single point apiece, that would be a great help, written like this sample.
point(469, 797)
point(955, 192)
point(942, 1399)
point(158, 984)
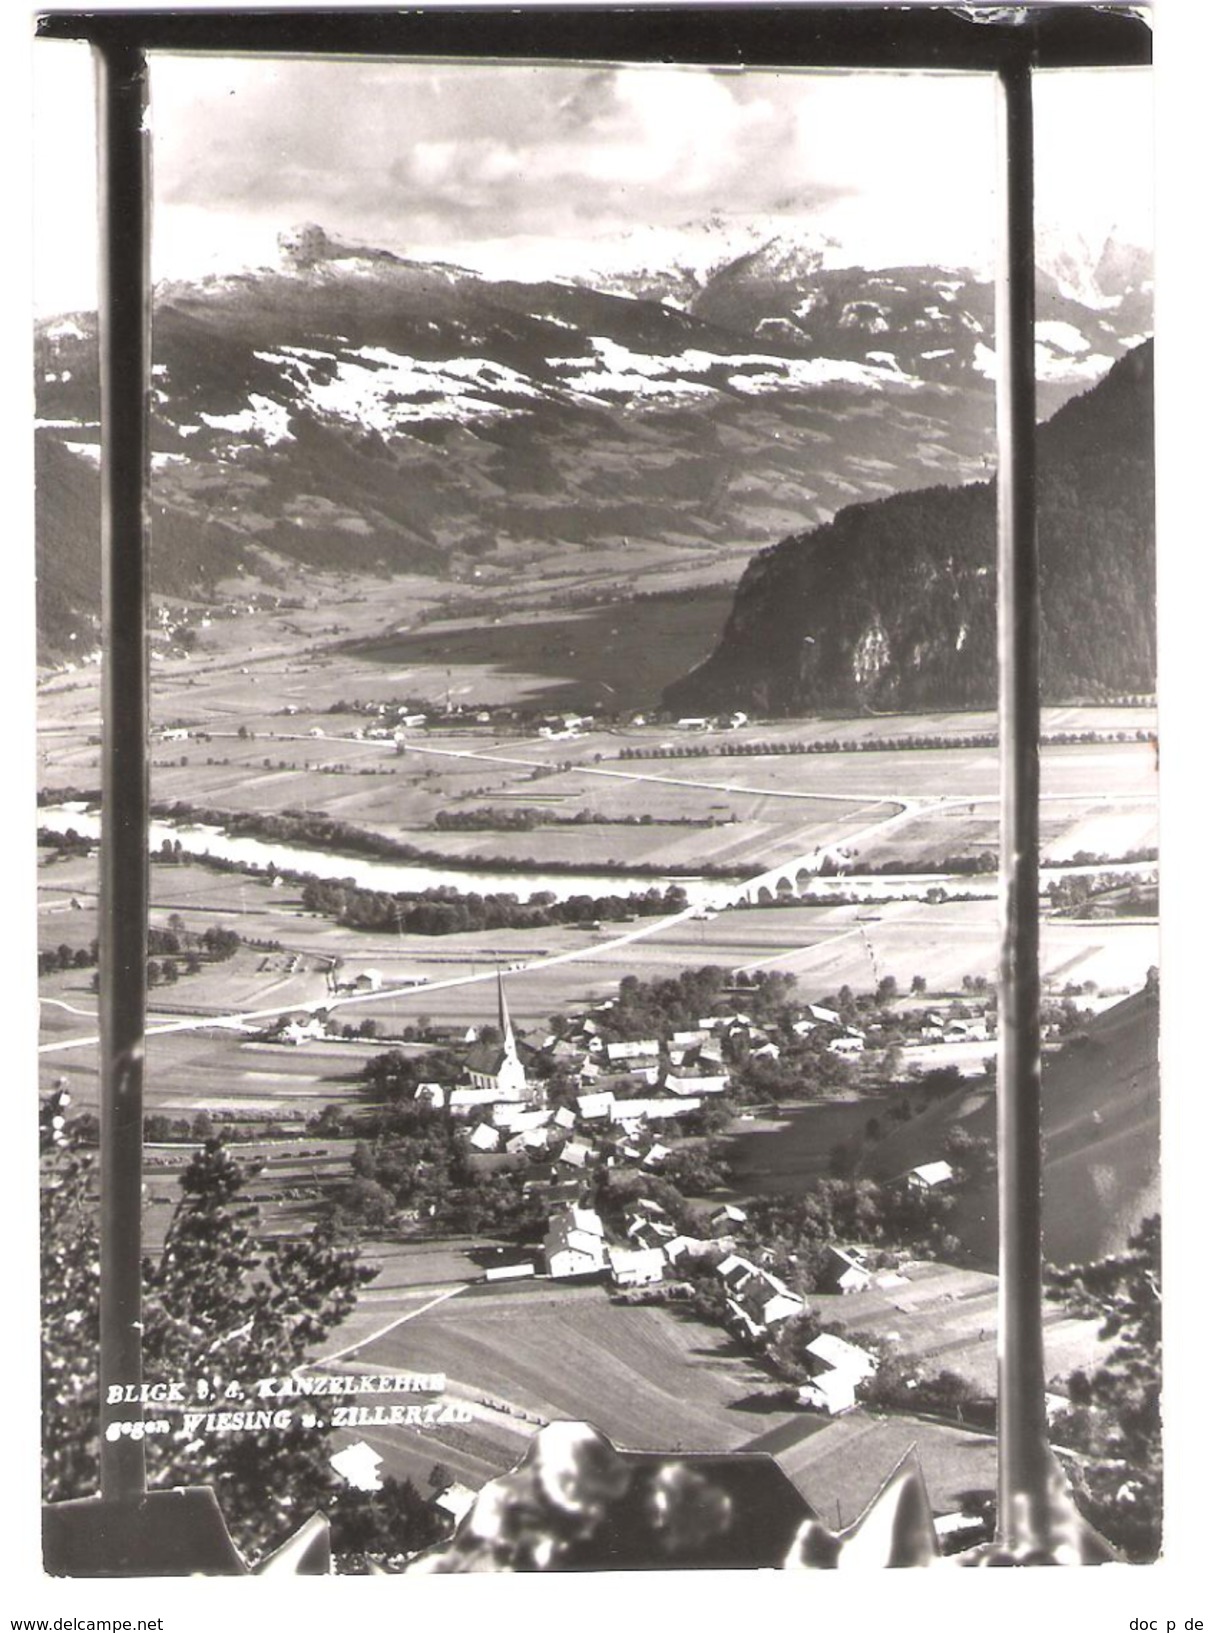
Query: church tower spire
point(503, 1016)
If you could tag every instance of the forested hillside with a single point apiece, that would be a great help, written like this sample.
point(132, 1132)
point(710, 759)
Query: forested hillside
point(892, 604)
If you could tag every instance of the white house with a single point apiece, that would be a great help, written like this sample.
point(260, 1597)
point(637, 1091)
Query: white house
point(779, 1305)
point(593, 1106)
point(368, 981)
point(835, 1368)
point(828, 1352)
point(634, 1267)
point(519, 1119)
point(483, 1137)
point(575, 1245)
point(844, 1272)
point(751, 1328)
point(833, 1392)
point(678, 1245)
point(691, 1085)
point(929, 1175)
point(638, 1049)
point(727, 1219)
point(464, 1101)
point(455, 1501)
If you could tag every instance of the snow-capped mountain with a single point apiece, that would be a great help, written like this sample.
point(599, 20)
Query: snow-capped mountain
point(351, 406)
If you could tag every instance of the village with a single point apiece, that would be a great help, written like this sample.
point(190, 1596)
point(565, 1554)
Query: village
point(605, 1138)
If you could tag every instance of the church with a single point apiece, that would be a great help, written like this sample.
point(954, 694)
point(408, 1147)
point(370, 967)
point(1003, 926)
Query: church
point(496, 1067)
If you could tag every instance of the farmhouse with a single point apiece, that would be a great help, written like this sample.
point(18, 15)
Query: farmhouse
point(575, 1153)
point(929, 1176)
point(639, 1049)
point(635, 1267)
point(763, 1297)
point(464, 1101)
point(518, 1119)
point(678, 1245)
point(835, 1368)
point(593, 1106)
point(695, 1085)
point(455, 1501)
point(631, 1111)
point(843, 1272)
point(574, 1245)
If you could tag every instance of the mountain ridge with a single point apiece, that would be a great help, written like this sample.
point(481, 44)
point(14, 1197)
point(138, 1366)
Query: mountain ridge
point(355, 408)
point(892, 603)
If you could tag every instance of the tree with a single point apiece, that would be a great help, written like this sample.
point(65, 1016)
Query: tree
point(218, 1308)
point(1114, 1418)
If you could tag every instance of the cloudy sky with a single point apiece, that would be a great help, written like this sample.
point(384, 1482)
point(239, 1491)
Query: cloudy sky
point(528, 169)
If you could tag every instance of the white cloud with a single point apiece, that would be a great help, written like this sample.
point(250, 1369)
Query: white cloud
point(527, 160)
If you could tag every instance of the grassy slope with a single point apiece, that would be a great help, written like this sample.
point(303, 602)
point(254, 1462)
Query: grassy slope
point(1101, 1124)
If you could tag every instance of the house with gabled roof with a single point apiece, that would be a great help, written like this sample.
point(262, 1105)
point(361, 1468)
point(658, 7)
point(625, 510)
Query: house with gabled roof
point(835, 1369)
point(636, 1266)
point(765, 1298)
point(466, 1101)
point(575, 1153)
point(744, 1321)
point(679, 1245)
point(634, 1049)
point(598, 1105)
point(929, 1176)
point(829, 1351)
point(575, 1244)
point(843, 1272)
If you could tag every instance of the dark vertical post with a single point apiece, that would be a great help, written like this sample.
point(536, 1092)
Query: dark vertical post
point(124, 329)
point(1023, 1451)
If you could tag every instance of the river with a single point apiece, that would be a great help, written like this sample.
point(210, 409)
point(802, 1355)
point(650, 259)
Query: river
point(369, 872)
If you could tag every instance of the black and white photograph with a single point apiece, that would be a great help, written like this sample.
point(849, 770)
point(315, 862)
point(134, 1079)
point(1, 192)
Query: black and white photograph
point(597, 776)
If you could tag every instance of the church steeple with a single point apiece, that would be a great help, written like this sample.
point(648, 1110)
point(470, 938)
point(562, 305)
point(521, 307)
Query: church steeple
point(503, 1016)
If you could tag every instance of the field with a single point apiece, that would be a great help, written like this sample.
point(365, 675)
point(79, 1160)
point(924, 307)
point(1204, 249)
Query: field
point(623, 655)
point(650, 1378)
point(654, 1379)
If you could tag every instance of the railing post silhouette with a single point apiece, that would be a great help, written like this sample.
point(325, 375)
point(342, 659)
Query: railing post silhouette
point(124, 331)
point(1023, 1447)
